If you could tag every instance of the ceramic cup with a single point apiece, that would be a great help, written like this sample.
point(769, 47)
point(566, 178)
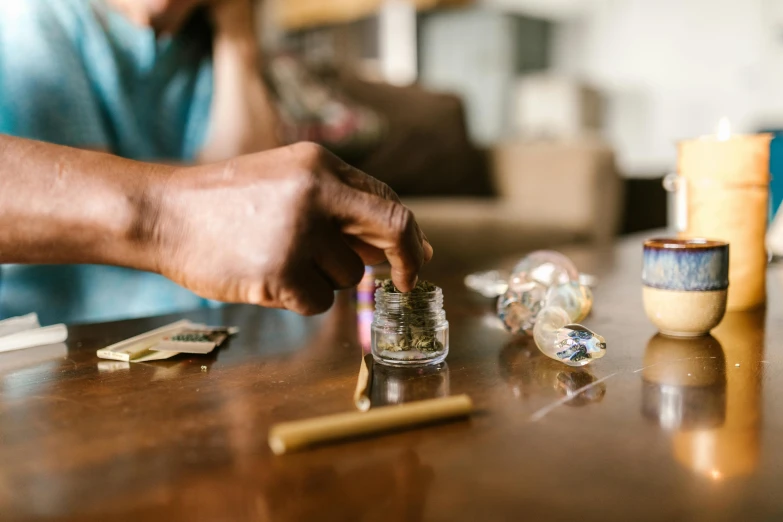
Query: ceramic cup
point(685, 284)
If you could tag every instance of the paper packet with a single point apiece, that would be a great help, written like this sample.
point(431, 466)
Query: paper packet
point(168, 341)
point(196, 340)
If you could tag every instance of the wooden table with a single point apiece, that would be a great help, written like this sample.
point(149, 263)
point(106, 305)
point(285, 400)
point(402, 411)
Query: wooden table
point(659, 429)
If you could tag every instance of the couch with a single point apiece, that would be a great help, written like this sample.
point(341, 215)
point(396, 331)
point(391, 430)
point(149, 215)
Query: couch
point(519, 195)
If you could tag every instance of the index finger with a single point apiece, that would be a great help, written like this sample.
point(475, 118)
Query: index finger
point(357, 179)
point(386, 225)
point(361, 181)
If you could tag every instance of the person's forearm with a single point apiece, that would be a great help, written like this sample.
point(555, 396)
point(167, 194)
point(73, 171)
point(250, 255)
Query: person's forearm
point(243, 118)
point(63, 205)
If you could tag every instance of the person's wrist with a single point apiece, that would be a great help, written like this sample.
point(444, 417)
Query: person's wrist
point(146, 237)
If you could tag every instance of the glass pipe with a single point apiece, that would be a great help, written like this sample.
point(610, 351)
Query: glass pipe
point(559, 338)
point(527, 289)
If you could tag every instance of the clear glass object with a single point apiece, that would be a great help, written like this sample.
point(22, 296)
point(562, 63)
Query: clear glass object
point(545, 267)
point(519, 308)
point(540, 276)
point(489, 284)
point(546, 297)
point(409, 329)
point(559, 338)
point(574, 298)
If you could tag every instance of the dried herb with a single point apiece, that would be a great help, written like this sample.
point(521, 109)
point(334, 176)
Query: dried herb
point(416, 316)
point(422, 287)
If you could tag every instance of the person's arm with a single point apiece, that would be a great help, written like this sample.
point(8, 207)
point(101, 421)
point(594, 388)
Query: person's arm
point(282, 228)
point(243, 118)
point(64, 205)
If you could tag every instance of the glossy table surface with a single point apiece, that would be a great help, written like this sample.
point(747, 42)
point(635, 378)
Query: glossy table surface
point(660, 429)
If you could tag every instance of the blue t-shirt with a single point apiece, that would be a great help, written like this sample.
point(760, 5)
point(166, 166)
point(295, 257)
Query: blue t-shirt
point(78, 73)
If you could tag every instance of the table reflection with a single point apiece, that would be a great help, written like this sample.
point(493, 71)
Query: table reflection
point(708, 391)
point(393, 385)
point(529, 373)
point(684, 382)
point(31, 357)
point(391, 488)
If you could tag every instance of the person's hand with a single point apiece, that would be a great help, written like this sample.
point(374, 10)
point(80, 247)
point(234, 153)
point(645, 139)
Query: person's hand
point(282, 228)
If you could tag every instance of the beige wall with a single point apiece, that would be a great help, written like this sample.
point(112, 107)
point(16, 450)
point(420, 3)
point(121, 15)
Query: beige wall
point(672, 68)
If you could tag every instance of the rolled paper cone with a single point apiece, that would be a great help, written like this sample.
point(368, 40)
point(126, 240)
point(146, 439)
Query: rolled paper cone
point(727, 190)
point(292, 436)
point(361, 396)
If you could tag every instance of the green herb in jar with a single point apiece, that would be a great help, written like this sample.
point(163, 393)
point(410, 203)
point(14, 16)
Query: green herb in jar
point(416, 316)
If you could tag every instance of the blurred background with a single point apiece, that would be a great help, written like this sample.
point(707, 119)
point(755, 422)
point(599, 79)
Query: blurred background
point(525, 122)
point(505, 125)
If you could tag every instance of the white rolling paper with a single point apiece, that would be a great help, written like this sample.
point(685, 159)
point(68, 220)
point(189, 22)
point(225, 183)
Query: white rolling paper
point(19, 324)
point(57, 333)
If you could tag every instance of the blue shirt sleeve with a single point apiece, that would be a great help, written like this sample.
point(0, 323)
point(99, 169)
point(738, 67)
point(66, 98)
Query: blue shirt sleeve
point(45, 92)
point(198, 120)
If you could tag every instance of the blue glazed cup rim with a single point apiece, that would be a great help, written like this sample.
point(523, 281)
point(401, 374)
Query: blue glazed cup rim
point(684, 244)
point(692, 264)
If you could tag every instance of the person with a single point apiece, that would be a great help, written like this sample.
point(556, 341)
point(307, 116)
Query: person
point(170, 80)
point(174, 81)
point(282, 228)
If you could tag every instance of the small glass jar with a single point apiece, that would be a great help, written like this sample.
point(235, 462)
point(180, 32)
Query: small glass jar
point(409, 329)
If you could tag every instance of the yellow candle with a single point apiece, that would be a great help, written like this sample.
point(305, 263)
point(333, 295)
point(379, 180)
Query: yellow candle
point(726, 179)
